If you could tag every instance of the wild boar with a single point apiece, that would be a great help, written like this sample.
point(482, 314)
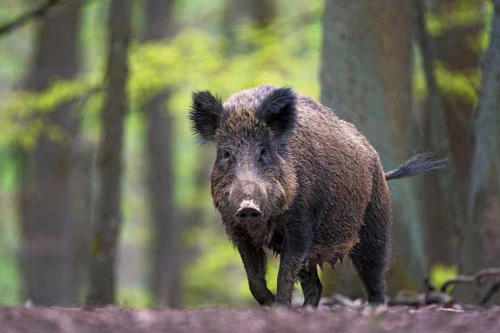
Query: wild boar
point(291, 176)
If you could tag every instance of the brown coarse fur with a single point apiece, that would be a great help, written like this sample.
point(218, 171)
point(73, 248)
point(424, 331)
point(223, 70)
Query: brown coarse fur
point(319, 184)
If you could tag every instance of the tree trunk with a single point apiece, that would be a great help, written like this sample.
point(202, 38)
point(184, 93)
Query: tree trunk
point(458, 59)
point(482, 244)
point(366, 77)
point(166, 277)
point(439, 224)
point(457, 56)
point(106, 229)
point(261, 13)
point(81, 213)
point(45, 190)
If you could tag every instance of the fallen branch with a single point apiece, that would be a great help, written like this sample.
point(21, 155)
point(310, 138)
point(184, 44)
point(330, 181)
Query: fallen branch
point(430, 294)
point(26, 17)
point(476, 278)
point(492, 289)
point(428, 297)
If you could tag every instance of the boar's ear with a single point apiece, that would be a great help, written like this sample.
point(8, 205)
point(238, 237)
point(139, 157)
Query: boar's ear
point(278, 111)
point(205, 115)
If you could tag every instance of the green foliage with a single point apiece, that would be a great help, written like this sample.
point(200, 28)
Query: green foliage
point(9, 279)
point(441, 273)
point(134, 298)
point(217, 275)
point(418, 80)
point(461, 12)
point(10, 282)
point(193, 60)
point(462, 85)
point(24, 114)
point(9, 166)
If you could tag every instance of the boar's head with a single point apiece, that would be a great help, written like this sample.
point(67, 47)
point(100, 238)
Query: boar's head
point(253, 178)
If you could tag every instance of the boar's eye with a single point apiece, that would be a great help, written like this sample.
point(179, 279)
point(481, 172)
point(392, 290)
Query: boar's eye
point(263, 152)
point(264, 155)
point(226, 154)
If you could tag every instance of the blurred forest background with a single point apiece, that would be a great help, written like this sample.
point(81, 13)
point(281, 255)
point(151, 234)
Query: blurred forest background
point(104, 191)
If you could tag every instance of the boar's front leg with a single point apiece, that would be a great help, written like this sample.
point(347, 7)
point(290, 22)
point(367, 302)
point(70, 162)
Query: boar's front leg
point(295, 248)
point(311, 285)
point(254, 260)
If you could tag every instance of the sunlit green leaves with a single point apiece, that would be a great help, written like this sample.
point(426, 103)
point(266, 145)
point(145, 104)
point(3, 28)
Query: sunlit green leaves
point(463, 85)
point(458, 13)
point(441, 273)
point(24, 114)
point(193, 60)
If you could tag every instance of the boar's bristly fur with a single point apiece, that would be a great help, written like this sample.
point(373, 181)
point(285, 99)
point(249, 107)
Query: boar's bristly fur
point(291, 176)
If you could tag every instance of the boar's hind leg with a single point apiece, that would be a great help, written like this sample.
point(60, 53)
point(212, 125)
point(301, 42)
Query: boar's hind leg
point(370, 256)
point(254, 260)
point(311, 285)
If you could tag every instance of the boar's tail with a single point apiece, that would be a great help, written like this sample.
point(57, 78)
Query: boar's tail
point(419, 164)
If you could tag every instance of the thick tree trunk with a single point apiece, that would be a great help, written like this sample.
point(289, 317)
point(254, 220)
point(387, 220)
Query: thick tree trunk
point(106, 229)
point(45, 191)
point(166, 253)
point(366, 78)
point(440, 227)
point(481, 245)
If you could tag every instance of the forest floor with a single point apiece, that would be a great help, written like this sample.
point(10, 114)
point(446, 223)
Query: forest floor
point(215, 319)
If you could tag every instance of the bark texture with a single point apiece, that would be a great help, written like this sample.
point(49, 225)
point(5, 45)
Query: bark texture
point(106, 228)
point(45, 197)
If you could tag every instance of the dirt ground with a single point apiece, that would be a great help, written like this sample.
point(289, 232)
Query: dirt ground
point(331, 319)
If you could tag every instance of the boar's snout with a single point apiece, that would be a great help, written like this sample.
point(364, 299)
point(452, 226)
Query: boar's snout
point(247, 198)
point(248, 212)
